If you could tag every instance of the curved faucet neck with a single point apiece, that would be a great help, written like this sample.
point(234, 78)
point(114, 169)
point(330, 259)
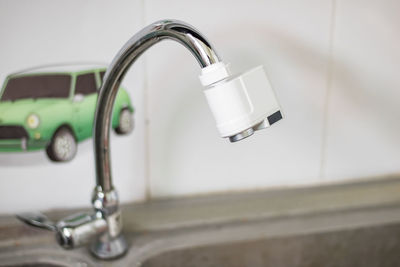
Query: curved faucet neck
point(175, 30)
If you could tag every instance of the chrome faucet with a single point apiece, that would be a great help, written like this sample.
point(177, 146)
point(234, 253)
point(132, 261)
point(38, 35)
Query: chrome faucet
point(241, 104)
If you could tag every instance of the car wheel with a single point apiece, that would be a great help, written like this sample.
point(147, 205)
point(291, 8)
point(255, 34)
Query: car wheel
point(63, 145)
point(125, 122)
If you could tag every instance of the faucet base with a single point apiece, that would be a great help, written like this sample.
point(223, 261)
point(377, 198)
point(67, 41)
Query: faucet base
point(107, 248)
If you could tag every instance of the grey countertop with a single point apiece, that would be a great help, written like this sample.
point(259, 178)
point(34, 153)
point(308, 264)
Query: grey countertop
point(167, 224)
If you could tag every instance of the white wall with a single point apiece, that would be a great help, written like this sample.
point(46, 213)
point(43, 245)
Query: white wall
point(45, 32)
point(333, 64)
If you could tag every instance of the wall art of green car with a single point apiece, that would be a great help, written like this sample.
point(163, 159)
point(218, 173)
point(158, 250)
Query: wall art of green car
point(53, 108)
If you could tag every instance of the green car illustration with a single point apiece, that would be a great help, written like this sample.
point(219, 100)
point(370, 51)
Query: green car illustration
point(53, 108)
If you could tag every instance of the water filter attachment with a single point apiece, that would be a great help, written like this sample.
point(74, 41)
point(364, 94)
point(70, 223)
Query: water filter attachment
point(241, 104)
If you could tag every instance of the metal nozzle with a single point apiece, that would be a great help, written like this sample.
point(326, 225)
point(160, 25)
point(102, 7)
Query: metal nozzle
point(242, 135)
point(277, 116)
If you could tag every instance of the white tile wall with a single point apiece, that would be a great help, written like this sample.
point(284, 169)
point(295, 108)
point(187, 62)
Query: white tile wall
point(364, 104)
point(341, 114)
point(291, 39)
point(45, 32)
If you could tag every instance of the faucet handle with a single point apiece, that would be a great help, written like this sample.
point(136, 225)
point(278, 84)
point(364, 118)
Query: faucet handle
point(37, 219)
point(79, 229)
point(73, 231)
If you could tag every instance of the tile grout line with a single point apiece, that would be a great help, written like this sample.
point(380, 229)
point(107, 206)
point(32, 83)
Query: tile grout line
point(329, 82)
point(146, 117)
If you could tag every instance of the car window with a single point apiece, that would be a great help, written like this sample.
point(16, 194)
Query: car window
point(102, 75)
point(37, 86)
point(85, 84)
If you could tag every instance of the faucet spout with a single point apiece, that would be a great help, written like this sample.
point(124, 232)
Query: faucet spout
point(240, 104)
point(175, 30)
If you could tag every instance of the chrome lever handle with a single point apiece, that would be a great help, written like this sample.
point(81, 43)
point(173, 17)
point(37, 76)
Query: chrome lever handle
point(37, 219)
point(74, 231)
point(79, 229)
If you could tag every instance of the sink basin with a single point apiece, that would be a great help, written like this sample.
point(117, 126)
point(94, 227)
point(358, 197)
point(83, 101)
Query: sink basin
point(37, 264)
point(368, 247)
point(42, 260)
point(43, 252)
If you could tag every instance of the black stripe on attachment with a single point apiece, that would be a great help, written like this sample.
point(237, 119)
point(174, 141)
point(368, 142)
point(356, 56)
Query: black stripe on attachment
point(274, 117)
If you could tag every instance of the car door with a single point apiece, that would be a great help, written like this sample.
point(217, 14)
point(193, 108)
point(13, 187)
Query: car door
point(85, 103)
